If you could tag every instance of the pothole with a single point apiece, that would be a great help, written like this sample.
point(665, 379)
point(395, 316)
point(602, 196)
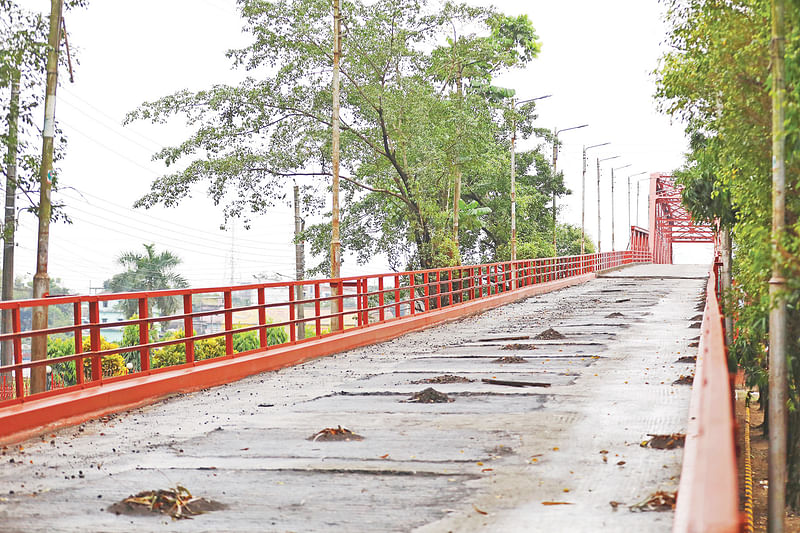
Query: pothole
point(513, 359)
point(512, 338)
point(443, 379)
point(615, 315)
point(520, 384)
point(687, 359)
point(684, 380)
point(518, 347)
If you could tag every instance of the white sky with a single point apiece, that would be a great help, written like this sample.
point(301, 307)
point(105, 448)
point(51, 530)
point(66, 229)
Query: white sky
point(596, 61)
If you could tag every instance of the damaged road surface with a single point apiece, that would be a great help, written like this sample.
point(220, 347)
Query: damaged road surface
point(552, 444)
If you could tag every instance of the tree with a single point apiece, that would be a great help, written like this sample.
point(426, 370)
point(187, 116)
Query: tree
point(418, 111)
point(715, 78)
point(147, 272)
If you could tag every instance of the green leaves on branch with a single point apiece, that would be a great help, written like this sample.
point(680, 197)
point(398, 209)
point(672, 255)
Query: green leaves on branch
point(418, 102)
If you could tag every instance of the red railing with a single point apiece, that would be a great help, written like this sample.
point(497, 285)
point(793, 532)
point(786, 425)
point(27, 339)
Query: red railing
point(353, 302)
point(708, 495)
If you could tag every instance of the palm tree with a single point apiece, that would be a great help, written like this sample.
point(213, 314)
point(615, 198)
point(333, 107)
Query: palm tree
point(147, 272)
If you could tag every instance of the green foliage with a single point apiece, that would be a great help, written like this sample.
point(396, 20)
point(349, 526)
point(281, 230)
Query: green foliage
point(717, 79)
point(147, 272)
point(111, 365)
point(419, 109)
point(175, 354)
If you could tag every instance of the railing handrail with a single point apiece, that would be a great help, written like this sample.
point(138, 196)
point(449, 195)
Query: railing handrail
point(708, 495)
point(375, 299)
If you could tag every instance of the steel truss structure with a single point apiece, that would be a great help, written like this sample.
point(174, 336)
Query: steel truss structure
point(670, 221)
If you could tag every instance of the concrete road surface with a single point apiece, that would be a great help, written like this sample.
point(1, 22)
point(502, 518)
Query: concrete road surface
point(549, 457)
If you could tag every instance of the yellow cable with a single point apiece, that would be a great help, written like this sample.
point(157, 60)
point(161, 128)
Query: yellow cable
point(748, 472)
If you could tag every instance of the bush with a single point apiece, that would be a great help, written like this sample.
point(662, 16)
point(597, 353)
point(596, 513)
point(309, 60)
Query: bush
point(111, 365)
point(175, 354)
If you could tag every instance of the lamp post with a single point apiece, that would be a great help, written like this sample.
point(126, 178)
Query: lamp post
point(598, 197)
point(555, 173)
point(612, 204)
point(583, 194)
point(629, 203)
point(638, 182)
point(513, 176)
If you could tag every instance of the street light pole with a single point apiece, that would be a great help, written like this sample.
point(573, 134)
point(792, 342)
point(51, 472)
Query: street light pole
point(598, 197)
point(583, 194)
point(555, 173)
point(613, 246)
point(513, 174)
point(629, 203)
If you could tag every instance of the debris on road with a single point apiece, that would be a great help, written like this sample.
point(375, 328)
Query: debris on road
point(687, 359)
point(550, 335)
point(177, 503)
point(658, 501)
point(335, 434)
point(665, 442)
point(429, 395)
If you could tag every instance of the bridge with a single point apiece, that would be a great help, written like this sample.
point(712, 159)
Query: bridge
point(549, 376)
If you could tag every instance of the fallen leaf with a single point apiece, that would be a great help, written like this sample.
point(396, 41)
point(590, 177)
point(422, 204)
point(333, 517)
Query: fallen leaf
point(244, 449)
point(478, 510)
point(479, 463)
point(555, 449)
point(566, 490)
point(620, 463)
point(384, 456)
point(557, 503)
point(487, 469)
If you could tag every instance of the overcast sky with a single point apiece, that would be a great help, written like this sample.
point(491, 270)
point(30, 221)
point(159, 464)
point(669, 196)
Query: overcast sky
point(597, 58)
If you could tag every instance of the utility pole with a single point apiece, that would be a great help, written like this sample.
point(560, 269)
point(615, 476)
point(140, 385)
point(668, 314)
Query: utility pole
point(6, 354)
point(583, 194)
point(555, 174)
point(300, 263)
point(336, 245)
point(41, 281)
point(613, 246)
point(776, 500)
point(513, 175)
point(598, 197)
point(629, 203)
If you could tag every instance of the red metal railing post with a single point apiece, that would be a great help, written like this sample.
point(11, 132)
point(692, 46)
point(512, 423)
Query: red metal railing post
point(450, 287)
point(381, 311)
point(94, 339)
point(227, 298)
point(292, 328)
point(188, 327)
point(425, 279)
point(397, 295)
point(412, 293)
point(19, 382)
point(144, 335)
point(263, 338)
point(77, 319)
point(317, 309)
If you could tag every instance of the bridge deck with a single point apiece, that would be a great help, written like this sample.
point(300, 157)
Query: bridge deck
point(496, 449)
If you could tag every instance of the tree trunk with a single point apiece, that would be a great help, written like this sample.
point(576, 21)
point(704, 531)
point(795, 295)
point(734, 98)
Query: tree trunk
point(6, 351)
